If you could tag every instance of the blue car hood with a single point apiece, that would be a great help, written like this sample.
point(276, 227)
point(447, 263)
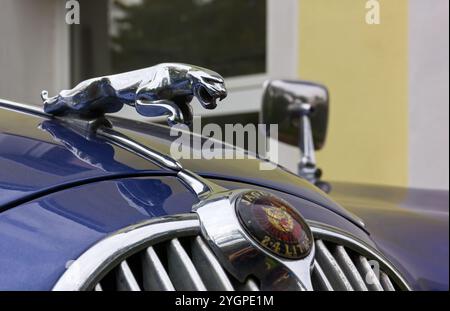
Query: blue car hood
point(39, 156)
point(61, 192)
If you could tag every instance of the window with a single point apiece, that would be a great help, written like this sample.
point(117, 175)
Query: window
point(228, 36)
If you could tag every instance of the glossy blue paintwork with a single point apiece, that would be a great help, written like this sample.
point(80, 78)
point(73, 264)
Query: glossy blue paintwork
point(60, 193)
point(40, 237)
point(33, 158)
point(247, 170)
point(410, 226)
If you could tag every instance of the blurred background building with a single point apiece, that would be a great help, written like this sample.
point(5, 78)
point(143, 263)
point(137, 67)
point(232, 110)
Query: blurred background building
point(389, 117)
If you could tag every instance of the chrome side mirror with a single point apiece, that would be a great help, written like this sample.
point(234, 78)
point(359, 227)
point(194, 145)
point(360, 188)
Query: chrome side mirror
point(301, 111)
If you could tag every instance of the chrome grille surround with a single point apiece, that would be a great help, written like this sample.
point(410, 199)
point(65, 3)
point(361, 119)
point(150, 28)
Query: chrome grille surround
point(189, 263)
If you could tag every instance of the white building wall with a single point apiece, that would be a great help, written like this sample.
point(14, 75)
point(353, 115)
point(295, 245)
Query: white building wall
point(429, 94)
point(33, 49)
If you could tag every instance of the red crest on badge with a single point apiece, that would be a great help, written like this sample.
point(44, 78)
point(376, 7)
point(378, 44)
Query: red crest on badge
point(275, 224)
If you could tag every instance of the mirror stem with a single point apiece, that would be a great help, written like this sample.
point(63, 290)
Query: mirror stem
point(307, 167)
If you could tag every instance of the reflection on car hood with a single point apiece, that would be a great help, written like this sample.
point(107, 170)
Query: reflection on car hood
point(37, 155)
point(40, 156)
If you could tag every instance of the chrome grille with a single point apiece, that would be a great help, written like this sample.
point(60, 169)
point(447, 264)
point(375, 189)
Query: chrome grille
point(180, 263)
point(170, 254)
point(188, 264)
point(340, 268)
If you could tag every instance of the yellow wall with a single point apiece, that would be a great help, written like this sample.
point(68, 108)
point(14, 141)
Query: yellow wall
point(365, 67)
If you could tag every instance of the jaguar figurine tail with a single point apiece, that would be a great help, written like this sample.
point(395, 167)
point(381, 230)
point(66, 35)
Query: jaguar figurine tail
point(162, 90)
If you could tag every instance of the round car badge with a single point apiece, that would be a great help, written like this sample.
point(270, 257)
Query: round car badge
point(275, 224)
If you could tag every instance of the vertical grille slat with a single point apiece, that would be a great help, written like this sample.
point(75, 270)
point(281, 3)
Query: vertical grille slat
point(125, 278)
point(155, 276)
point(250, 285)
point(350, 270)
point(331, 268)
point(182, 271)
point(209, 268)
point(320, 279)
point(386, 282)
point(367, 273)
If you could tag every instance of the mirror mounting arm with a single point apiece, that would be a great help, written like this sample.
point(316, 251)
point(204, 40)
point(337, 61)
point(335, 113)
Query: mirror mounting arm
point(307, 167)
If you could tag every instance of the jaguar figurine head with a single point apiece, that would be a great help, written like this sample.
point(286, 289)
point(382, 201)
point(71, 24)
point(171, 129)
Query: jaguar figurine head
point(207, 86)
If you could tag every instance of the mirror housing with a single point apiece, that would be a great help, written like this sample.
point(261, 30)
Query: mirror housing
point(281, 105)
point(300, 109)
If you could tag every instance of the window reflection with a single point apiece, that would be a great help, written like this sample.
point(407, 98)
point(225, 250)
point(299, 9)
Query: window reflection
point(228, 36)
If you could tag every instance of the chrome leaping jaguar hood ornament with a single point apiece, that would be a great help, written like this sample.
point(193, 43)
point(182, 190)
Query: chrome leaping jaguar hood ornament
point(164, 89)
